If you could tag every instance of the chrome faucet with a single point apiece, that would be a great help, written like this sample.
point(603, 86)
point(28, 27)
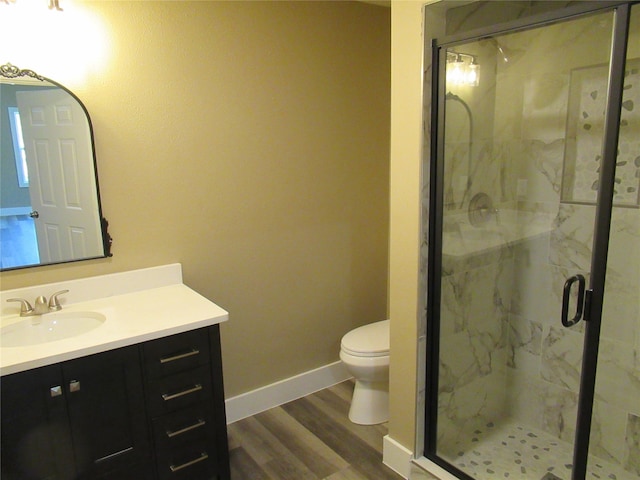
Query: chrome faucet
point(41, 306)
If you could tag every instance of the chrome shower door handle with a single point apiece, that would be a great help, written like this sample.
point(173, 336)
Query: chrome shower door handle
point(566, 297)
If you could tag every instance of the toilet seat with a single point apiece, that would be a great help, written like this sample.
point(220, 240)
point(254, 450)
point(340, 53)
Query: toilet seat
point(370, 340)
point(364, 352)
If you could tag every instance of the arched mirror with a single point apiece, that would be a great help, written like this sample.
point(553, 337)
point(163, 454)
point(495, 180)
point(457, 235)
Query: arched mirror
point(49, 197)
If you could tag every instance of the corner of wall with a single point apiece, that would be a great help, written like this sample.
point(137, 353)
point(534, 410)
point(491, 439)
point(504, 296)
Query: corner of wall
point(396, 457)
point(404, 240)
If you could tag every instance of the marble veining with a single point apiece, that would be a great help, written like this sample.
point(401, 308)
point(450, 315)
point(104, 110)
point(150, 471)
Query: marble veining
point(562, 357)
point(632, 462)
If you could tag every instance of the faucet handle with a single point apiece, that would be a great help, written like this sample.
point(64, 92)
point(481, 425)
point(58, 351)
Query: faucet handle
point(54, 304)
point(25, 307)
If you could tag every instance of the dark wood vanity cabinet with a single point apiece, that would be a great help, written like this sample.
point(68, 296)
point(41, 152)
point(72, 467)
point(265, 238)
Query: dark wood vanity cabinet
point(83, 418)
point(35, 435)
point(106, 411)
point(185, 403)
point(154, 410)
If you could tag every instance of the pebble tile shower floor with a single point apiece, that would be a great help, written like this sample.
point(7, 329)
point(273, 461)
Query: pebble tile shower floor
point(516, 452)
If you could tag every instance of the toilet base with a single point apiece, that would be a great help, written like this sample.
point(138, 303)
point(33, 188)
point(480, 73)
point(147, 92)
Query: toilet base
point(370, 403)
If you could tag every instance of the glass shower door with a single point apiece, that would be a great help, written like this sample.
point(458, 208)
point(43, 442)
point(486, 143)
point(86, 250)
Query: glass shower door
point(522, 119)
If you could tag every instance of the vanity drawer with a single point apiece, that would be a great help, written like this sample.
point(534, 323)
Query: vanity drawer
point(177, 391)
point(184, 426)
point(195, 461)
point(177, 353)
point(141, 471)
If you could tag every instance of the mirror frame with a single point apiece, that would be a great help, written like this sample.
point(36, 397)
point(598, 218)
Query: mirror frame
point(9, 71)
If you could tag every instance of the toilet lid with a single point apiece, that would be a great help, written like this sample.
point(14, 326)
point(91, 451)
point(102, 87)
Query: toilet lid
point(370, 340)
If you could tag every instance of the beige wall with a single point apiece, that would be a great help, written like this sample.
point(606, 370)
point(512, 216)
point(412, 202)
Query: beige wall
point(250, 142)
point(406, 139)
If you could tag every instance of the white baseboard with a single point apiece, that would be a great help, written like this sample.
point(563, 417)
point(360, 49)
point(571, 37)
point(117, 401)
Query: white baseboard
point(9, 211)
point(284, 391)
point(396, 456)
point(432, 469)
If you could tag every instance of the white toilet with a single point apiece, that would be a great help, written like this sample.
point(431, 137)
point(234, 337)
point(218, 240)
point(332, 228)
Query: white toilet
point(365, 353)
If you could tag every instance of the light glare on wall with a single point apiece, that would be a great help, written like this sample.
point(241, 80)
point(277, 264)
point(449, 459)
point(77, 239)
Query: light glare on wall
point(66, 45)
point(462, 69)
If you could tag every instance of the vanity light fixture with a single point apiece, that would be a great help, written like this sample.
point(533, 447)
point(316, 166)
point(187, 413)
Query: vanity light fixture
point(462, 69)
point(53, 4)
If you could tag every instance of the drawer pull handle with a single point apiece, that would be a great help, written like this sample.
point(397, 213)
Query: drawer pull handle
point(113, 455)
point(170, 396)
point(203, 456)
point(180, 356)
point(175, 433)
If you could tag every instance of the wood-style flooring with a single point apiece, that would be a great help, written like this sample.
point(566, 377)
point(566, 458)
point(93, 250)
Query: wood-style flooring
point(308, 439)
point(18, 240)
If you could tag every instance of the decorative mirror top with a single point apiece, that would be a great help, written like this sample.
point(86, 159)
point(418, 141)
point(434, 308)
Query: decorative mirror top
point(11, 71)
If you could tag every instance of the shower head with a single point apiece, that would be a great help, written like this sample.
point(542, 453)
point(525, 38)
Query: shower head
point(508, 55)
point(502, 52)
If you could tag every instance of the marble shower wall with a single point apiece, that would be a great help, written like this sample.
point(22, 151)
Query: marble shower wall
point(474, 318)
point(544, 359)
point(504, 353)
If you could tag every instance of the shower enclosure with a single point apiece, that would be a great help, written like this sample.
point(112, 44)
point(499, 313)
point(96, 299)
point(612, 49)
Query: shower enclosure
point(533, 297)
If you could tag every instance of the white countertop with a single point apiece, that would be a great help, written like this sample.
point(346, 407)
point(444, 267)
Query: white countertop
point(131, 318)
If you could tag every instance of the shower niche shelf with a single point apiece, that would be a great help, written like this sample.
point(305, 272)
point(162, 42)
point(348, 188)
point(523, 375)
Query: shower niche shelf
point(506, 228)
point(585, 126)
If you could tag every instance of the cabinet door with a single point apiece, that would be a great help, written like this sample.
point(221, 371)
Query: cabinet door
point(106, 411)
point(36, 442)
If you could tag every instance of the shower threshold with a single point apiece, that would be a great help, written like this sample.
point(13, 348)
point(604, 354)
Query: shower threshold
point(515, 451)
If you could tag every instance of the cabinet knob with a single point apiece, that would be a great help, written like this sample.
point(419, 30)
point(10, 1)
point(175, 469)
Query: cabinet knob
point(55, 391)
point(74, 386)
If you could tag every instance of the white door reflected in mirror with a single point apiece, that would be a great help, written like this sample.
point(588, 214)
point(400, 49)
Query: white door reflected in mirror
point(49, 197)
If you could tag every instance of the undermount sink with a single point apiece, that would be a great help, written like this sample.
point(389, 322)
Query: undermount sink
point(50, 327)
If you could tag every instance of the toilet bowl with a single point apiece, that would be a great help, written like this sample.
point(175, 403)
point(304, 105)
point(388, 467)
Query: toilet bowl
point(365, 353)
